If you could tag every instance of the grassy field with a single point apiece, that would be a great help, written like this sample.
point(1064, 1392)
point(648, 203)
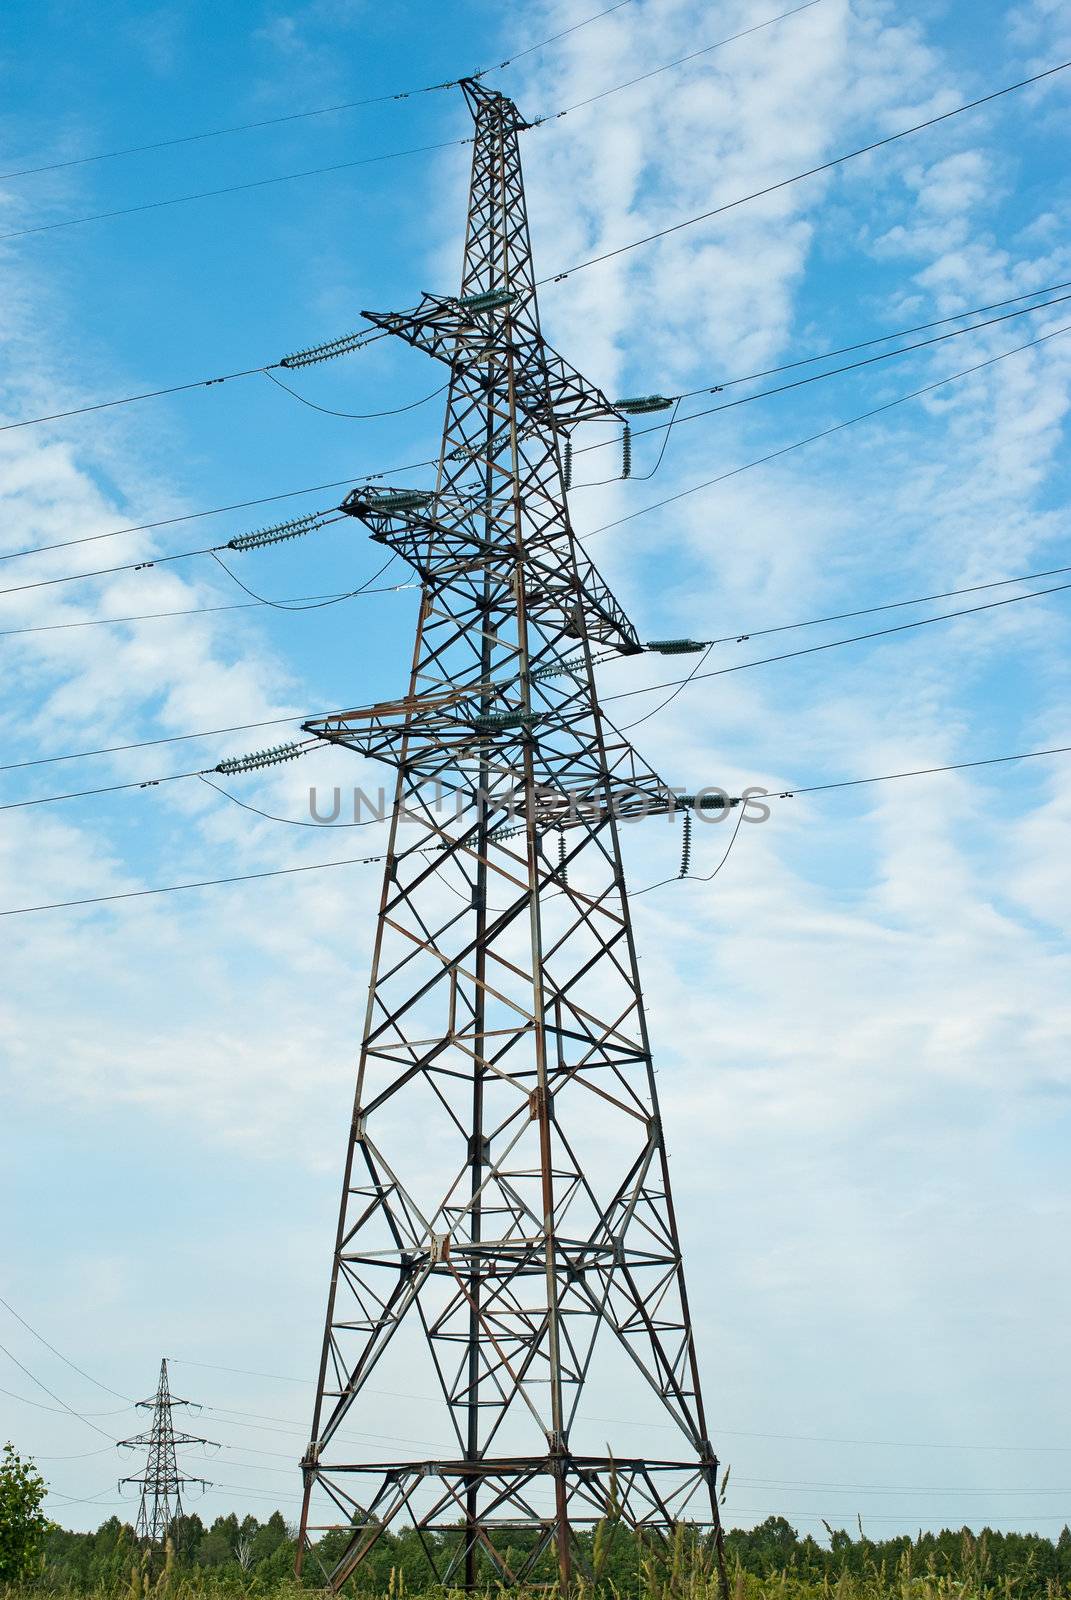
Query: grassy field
point(771, 1562)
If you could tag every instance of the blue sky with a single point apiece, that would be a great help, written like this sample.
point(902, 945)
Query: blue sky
point(862, 1023)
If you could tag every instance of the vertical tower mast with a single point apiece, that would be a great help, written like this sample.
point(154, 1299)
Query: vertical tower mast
point(161, 1483)
point(506, 1199)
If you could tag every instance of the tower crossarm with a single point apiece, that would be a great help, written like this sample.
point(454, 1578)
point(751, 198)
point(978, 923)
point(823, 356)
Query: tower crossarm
point(444, 538)
point(465, 332)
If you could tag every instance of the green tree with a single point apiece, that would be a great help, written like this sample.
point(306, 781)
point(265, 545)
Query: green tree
point(23, 1525)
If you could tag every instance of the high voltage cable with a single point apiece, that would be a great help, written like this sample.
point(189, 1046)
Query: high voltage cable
point(52, 1394)
point(352, 416)
point(815, 377)
point(677, 684)
point(312, 172)
point(317, 111)
point(681, 61)
point(214, 511)
point(300, 602)
point(352, 861)
point(330, 515)
point(59, 1354)
point(825, 166)
point(810, 1438)
point(888, 605)
point(825, 433)
point(25, 1400)
point(231, 188)
point(864, 344)
point(269, 369)
point(738, 638)
point(834, 644)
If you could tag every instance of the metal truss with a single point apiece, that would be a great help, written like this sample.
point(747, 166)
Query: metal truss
point(504, 1020)
point(161, 1483)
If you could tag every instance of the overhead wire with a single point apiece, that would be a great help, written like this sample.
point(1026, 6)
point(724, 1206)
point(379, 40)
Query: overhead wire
point(825, 433)
point(799, 383)
point(315, 111)
point(798, 177)
point(266, 369)
point(881, 338)
point(82, 1417)
point(807, 1438)
point(681, 61)
point(886, 605)
point(738, 637)
point(38, 1405)
point(215, 511)
point(82, 1373)
point(676, 684)
point(353, 416)
point(271, 367)
point(311, 172)
point(322, 866)
point(269, 816)
point(698, 877)
point(293, 603)
point(305, 605)
point(231, 188)
point(328, 518)
point(415, 465)
point(631, 516)
point(833, 644)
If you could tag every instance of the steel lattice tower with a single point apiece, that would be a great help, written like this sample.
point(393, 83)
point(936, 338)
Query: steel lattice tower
point(506, 1196)
point(161, 1483)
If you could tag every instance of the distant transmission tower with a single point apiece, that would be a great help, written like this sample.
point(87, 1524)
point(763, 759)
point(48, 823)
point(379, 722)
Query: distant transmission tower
point(506, 1206)
point(161, 1483)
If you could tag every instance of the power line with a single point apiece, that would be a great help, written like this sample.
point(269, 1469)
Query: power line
point(214, 511)
point(352, 861)
point(175, 738)
point(680, 62)
point(631, 516)
point(58, 1353)
point(339, 166)
point(676, 684)
point(299, 716)
point(293, 603)
point(864, 344)
point(201, 883)
point(231, 188)
point(298, 116)
point(108, 788)
point(814, 377)
point(327, 517)
point(888, 605)
point(736, 1433)
point(268, 370)
point(834, 644)
point(784, 183)
point(25, 1400)
point(54, 1396)
point(352, 416)
point(825, 433)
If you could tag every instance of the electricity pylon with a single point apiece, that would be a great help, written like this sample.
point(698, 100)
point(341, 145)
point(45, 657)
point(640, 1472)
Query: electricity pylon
point(161, 1483)
point(506, 1196)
